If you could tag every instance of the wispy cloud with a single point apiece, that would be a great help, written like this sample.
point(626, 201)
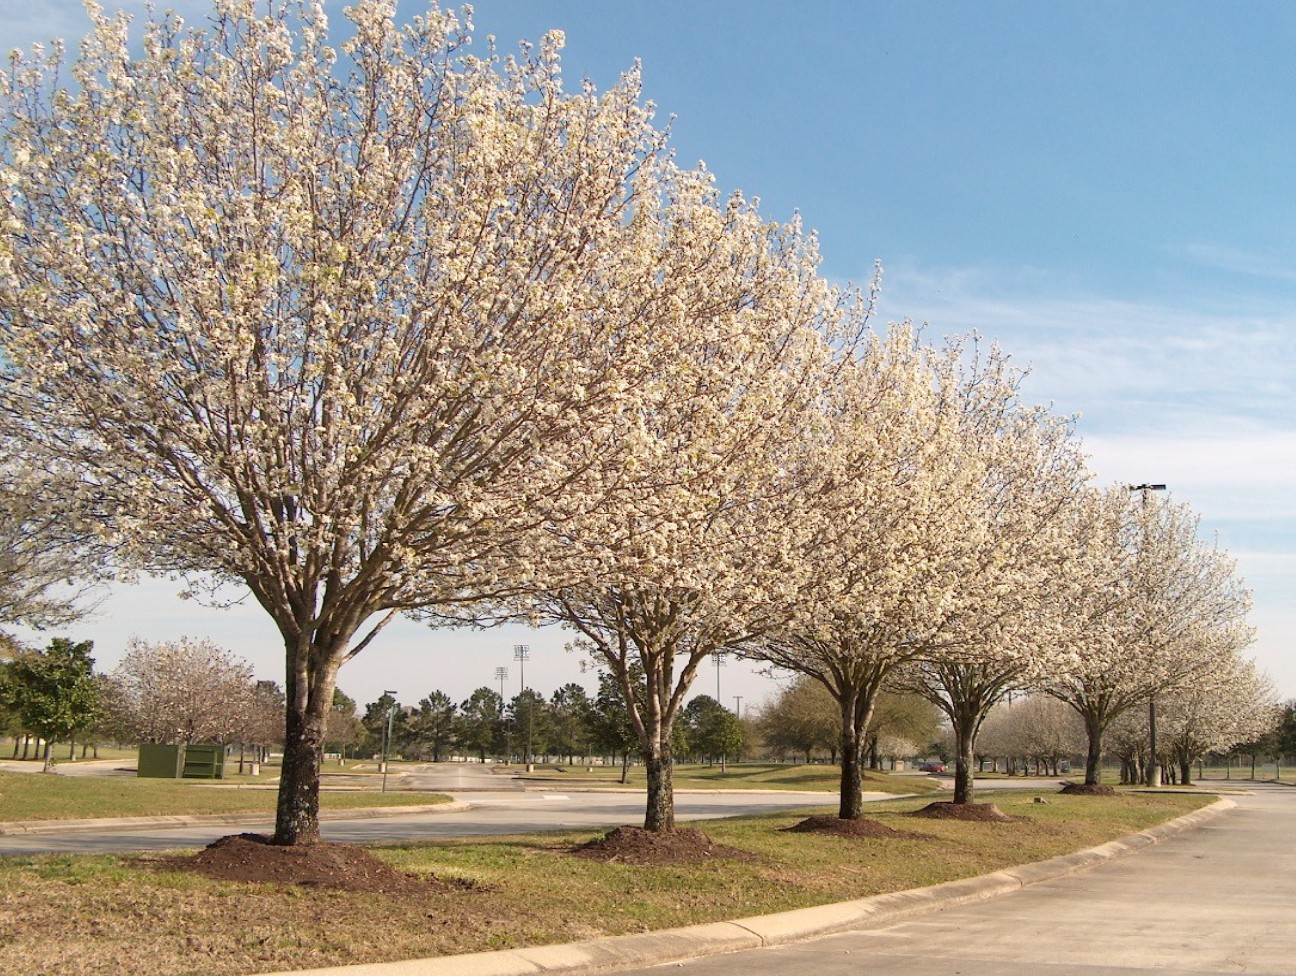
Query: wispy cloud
point(1125, 366)
point(1270, 265)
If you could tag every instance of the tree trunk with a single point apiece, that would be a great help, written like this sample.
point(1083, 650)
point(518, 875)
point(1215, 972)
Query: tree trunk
point(659, 816)
point(1093, 756)
point(308, 698)
point(49, 763)
point(851, 805)
point(625, 767)
point(964, 746)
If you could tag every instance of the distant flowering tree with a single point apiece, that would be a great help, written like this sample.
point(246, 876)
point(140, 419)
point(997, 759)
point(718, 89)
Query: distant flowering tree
point(184, 691)
point(938, 484)
point(1230, 704)
point(1146, 608)
point(346, 327)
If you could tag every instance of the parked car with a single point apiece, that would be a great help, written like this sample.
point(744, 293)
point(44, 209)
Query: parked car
point(932, 767)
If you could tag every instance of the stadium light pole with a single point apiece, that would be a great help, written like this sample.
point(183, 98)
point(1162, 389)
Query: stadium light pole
point(521, 654)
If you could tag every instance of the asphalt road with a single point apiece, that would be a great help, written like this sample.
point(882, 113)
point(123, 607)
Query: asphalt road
point(492, 813)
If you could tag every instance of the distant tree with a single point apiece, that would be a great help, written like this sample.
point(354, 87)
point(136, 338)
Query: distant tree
point(712, 732)
point(611, 729)
point(53, 691)
point(380, 716)
point(1284, 735)
point(1034, 728)
point(431, 726)
point(1146, 607)
point(184, 691)
point(343, 728)
point(569, 716)
point(528, 716)
point(1222, 708)
point(263, 727)
point(479, 727)
point(804, 719)
point(903, 724)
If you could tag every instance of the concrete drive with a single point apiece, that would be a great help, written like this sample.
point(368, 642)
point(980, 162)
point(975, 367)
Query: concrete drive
point(1216, 899)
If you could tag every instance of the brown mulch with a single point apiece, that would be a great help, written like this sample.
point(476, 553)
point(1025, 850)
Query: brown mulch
point(1093, 789)
point(948, 810)
point(252, 858)
point(862, 827)
point(634, 845)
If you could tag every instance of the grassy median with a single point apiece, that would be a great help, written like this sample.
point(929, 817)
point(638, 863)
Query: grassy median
point(78, 916)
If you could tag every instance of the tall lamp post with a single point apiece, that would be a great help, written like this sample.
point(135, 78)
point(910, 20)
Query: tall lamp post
point(521, 654)
point(387, 733)
point(1153, 778)
point(738, 715)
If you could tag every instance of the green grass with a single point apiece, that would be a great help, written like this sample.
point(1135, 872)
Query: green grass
point(111, 912)
point(819, 777)
point(33, 796)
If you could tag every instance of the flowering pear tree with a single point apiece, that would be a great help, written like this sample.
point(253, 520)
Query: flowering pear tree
point(1145, 607)
point(694, 557)
point(345, 327)
point(884, 451)
point(182, 691)
point(1225, 706)
point(994, 632)
point(48, 559)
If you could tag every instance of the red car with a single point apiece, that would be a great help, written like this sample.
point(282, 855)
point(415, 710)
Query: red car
point(935, 767)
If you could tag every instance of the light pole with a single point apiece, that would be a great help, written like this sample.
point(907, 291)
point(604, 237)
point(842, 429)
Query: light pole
point(521, 654)
point(738, 715)
point(1154, 768)
point(501, 675)
point(387, 732)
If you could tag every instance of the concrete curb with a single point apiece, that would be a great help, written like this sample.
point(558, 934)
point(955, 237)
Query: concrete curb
point(677, 945)
point(188, 820)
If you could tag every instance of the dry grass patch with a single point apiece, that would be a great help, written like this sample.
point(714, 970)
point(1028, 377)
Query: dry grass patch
point(77, 916)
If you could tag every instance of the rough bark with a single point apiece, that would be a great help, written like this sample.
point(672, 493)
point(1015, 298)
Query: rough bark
point(851, 806)
point(1093, 755)
point(660, 812)
point(964, 749)
point(308, 698)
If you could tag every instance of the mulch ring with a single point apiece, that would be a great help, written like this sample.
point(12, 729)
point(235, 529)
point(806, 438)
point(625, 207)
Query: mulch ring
point(252, 858)
point(1092, 789)
point(863, 827)
point(634, 845)
point(979, 812)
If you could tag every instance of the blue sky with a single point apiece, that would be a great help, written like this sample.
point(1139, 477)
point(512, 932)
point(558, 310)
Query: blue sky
point(1107, 189)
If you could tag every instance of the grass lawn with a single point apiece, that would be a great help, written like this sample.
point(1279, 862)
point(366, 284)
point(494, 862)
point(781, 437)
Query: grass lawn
point(819, 777)
point(33, 796)
point(77, 915)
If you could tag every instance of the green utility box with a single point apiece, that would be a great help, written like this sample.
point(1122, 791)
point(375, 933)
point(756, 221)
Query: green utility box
point(198, 760)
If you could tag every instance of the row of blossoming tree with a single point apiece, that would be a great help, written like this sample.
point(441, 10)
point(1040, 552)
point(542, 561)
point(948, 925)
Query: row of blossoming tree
point(391, 328)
